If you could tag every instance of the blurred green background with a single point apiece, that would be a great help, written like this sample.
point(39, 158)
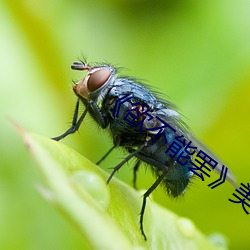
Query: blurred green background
point(195, 52)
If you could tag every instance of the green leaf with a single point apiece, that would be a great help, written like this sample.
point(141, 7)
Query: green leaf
point(107, 215)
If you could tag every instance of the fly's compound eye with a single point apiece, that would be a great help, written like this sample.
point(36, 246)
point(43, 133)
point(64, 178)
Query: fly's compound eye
point(97, 79)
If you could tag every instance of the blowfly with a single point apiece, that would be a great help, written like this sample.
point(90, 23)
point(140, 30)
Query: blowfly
point(148, 127)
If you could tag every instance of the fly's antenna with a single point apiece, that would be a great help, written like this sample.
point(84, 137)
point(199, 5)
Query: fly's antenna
point(80, 66)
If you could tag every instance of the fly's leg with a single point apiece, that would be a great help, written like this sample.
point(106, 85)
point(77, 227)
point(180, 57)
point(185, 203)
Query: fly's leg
point(75, 124)
point(145, 196)
point(105, 155)
point(91, 107)
point(135, 169)
point(99, 116)
point(124, 161)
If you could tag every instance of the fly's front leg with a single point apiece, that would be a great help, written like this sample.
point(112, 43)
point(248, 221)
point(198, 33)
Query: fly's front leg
point(75, 124)
point(99, 116)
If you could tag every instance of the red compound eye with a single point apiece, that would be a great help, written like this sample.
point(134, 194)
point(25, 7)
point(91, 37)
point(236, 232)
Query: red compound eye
point(97, 79)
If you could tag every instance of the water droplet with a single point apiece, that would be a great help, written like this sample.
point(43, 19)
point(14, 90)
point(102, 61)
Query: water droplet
point(186, 226)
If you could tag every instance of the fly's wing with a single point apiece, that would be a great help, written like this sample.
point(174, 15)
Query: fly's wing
point(164, 117)
point(230, 177)
point(173, 118)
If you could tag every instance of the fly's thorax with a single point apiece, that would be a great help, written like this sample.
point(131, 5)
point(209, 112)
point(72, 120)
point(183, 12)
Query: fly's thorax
point(95, 84)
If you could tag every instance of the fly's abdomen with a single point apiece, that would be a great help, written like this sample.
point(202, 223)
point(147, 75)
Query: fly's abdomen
point(167, 155)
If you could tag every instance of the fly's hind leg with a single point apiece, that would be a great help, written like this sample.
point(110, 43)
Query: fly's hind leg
point(145, 196)
point(135, 169)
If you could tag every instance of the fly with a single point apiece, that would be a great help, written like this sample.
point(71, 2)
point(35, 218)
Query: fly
point(148, 127)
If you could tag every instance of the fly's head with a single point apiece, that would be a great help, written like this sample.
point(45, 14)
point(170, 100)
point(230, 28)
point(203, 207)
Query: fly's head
point(95, 80)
